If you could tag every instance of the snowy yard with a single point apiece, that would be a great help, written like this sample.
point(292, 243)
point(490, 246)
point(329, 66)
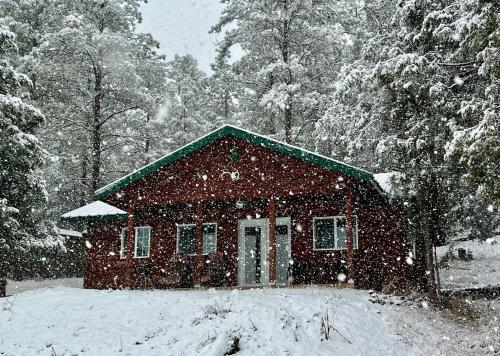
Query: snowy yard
point(482, 271)
point(70, 321)
point(15, 287)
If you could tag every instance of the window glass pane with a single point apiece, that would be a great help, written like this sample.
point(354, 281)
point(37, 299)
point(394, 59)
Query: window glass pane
point(209, 244)
point(209, 238)
point(252, 231)
point(341, 233)
point(355, 232)
point(324, 233)
point(143, 232)
point(282, 230)
point(142, 242)
point(186, 239)
point(209, 229)
point(123, 243)
point(142, 247)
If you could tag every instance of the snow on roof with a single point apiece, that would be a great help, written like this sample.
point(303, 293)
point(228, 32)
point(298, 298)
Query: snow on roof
point(387, 181)
point(95, 209)
point(66, 232)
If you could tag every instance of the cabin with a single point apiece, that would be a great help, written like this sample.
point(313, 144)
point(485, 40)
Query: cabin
point(235, 208)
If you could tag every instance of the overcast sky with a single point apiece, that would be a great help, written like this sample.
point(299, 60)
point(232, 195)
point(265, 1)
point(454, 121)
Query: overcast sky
point(181, 26)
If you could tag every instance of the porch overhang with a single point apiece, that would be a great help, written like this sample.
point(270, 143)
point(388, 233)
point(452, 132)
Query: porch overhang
point(95, 212)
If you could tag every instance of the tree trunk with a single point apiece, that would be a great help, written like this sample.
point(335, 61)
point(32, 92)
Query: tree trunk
point(83, 182)
point(147, 144)
point(96, 131)
point(226, 104)
point(288, 117)
point(288, 123)
point(428, 236)
point(429, 262)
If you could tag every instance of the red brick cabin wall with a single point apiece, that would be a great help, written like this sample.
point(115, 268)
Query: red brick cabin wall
point(303, 190)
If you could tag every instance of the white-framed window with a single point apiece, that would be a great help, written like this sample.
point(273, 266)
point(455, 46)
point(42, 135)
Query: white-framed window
point(123, 242)
point(209, 238)
point(142, 241)
point(186, 238)
point(329, 233)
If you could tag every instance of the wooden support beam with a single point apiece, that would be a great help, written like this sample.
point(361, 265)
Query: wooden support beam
point(272, 240)
point(198, 275)
point(349, 231)
point(130, 247)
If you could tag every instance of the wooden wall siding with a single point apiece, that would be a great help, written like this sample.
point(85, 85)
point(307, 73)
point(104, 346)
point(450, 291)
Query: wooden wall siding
point(200, 176)
point(302, 191)
point(380, 257)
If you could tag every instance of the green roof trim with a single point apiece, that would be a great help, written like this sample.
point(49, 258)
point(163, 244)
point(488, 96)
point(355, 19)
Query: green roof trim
point(229, 130)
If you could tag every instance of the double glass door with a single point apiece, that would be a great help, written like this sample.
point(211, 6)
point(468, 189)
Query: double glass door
point(253, 251)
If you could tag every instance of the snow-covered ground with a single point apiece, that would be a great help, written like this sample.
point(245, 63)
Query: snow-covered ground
point(14, 287)
point(483, 270)
point(70, 321)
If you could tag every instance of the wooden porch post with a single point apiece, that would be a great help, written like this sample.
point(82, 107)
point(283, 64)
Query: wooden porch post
point(130, 246)
point(349, 231)
point(272, 240)
point(198, 272)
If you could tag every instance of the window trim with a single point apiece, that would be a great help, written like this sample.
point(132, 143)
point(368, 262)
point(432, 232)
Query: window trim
point(123, 242)
point(149, 241)
point(355, 230)
point(178, 226)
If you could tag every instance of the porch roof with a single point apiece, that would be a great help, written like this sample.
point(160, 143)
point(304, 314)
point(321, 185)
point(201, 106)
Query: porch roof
point(228, 130)
point(96, 211)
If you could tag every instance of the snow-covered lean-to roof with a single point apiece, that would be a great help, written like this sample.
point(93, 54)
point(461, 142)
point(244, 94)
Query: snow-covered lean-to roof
point(96, 210)
point(68, 233)
point(228, 130)
point(388, 181)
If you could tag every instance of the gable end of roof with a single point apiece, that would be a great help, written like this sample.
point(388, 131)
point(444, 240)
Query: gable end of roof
point(233, 131)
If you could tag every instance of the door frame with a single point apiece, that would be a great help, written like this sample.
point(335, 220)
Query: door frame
point(263, 223)
point(264, 253)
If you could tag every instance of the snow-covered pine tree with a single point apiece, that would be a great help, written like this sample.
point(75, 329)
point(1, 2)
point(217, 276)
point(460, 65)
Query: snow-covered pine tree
point(183, 113)
point(473, 29)
point(98, 82)
point(222, 94)
point(291, 52)
point(349, 128)
point(22, 188)
point(433, 68)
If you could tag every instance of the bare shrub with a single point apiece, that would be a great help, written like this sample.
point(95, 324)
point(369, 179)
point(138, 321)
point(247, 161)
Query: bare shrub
point(326, 328)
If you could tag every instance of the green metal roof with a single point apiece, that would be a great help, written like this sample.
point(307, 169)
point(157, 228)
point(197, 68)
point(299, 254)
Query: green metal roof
point(233, 131)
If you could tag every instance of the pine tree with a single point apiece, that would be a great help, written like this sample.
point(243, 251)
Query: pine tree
point(292, 50)
point(22, 190)
point(349, 128)
point(183, 114)
point(98, 81)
